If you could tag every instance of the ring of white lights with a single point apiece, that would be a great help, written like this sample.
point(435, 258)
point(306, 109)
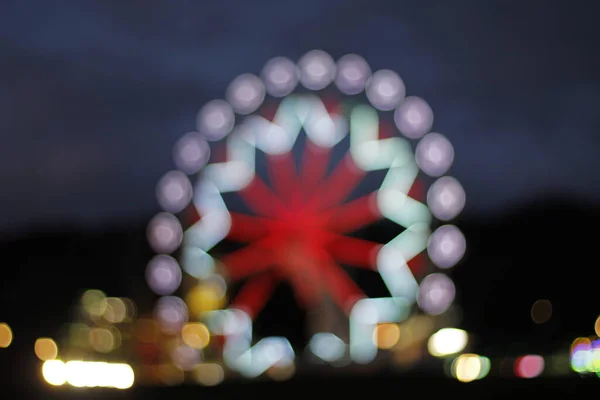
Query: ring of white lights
point(433, 156)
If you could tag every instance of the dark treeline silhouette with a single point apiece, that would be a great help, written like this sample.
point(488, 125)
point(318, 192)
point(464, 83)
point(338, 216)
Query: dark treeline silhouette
point(543, 250)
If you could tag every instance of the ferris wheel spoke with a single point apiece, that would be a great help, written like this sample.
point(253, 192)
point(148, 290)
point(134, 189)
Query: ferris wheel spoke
point(246, 228)
point(307, 293)
point(417, 263)
point(283, 176)
point(354, 215)
point(303, 277)
point(342, 181)
point(254, 294)
point(248, 260)
point(315, 161)
point(261, 199)
point(354, 252)
point(344, 291)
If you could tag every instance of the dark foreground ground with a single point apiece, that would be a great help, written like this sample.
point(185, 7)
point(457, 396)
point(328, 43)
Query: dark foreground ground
point(365, 388)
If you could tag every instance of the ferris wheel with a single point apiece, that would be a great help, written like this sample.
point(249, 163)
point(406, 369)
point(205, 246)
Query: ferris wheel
point(277, 167)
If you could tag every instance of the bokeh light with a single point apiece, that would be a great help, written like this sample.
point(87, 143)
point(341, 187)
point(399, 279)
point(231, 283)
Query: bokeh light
point(215, 120)
point(385, 90)
point(280, 76)
point(436, 294)
point(94, 302)
point(385, 336)
point(209, 374)
point(414, 119)
point(185, 357)
point(174, 191)
point(205, 296)
point(446, 198)
point(470, 367)
point(105, 340)
point(447, 246)
point(541, 311)
point(82, 374)
point(46, 349)
point(317, 70)
point(170, 375)
point(434, 154)
point(195, 335)
point(171, 314)
point(6, 335)
point(164, 233)
point(281, 372)
point(447, 341)
point(530, 366)
point(191, 152)
point(245, 93)
point(353, 72)
point(54, 372)
point(116, 310)
point(163, 275)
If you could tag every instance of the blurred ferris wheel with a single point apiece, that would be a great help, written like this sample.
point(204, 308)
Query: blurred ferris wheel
point(288, 179)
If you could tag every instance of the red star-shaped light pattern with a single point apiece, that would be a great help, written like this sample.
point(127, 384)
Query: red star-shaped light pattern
point(298, 232)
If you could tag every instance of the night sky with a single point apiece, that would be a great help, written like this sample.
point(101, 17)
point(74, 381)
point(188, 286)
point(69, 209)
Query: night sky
point(94, 94)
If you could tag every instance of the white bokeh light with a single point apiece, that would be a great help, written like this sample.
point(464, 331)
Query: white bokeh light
point(414, 117)
point(447, 246)
point(163, 274)
point(434, 154)
point(164, 233)
point(171, 313)
point(317, 70)
point(353, 72)
point(385, 90)
point(174, 191)
point(245, 93)
point(215, 120)
point(436, 294)
point(185, 357)
point(280, 76)
point(191, 152)
point(446, 198)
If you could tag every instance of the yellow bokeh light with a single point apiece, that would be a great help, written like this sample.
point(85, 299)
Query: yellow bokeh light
point(104, 340)
point(205, 297)
point(470, 367)
point(6, 335)
point(597, 326)
point(130, 309)
point(385, 336)
point(94, 302)
point(46, 349)
point(281, 373)
point(209, 374)
point(170, 375)
point(54, 372)
point(195, 335)
point(116, 310)
point(541, 311)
